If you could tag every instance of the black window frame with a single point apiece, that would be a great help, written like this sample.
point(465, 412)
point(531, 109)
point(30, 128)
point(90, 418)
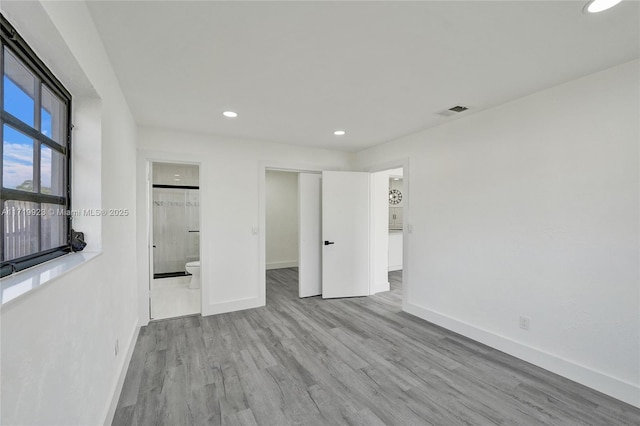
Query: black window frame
point(12, 41)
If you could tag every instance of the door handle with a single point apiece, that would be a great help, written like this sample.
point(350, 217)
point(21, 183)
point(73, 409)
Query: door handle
point(326, 243)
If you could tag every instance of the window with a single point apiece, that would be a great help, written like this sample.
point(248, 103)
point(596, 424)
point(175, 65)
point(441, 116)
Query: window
point(35, 129)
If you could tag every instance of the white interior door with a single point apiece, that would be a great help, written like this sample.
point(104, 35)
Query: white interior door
point(345, 234)
point(310, 234)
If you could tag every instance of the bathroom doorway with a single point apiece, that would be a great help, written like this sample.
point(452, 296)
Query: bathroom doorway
point(175, 288)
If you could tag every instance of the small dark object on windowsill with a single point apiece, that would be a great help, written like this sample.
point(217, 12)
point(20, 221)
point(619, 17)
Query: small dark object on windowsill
point(77, 241)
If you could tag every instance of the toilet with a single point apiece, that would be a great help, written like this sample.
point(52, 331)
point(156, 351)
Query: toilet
point(194, 269)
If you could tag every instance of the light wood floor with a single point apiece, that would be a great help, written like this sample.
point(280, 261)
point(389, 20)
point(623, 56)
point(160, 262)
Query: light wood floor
point(358, 361)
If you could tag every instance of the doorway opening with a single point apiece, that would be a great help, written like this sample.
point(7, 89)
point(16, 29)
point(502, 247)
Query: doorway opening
point(293, 234)
point(175, 288)
point(389, 198)
point(281, 234)
point(342, 233)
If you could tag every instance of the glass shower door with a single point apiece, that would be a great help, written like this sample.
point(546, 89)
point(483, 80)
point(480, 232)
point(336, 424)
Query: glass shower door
point(176, 228)
point(192, 212)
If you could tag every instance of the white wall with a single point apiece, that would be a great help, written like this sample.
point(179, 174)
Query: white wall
point(281, 209)
point(232, 174)
point(531, 208)
point(58, 364)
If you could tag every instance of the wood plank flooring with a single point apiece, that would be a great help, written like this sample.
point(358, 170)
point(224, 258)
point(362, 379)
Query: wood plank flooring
point(357, 361)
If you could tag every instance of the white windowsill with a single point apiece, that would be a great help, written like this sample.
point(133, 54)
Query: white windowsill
point(23, 282)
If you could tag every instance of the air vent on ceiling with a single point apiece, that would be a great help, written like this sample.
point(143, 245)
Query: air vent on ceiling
point(453, 110)
point(458, 108)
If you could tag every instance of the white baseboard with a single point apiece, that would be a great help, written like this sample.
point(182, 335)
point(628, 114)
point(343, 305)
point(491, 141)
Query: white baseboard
point(616, 388)
point(232, 306)
point(280, 265)
point(124, 366)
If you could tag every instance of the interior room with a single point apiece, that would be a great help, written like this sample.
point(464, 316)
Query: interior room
point(281, 219)
point(396, 204)
point(388, 199)
point(458, 243)
point(175, 241)
point(395, 223)
point(281, 233)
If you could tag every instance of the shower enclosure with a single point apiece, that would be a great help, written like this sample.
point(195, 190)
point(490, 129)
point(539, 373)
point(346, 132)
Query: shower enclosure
point(176, 227)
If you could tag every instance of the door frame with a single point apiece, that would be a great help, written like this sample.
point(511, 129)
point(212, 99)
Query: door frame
point(144, 224)
point(293, 167)
point(298, 167)
point(407, 228)
point(151, 164)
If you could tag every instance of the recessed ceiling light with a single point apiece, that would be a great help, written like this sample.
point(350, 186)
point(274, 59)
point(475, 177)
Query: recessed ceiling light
point(339, 133)
point(177, 175)
point(177, 180)
point(230, 114)
point(595, 6)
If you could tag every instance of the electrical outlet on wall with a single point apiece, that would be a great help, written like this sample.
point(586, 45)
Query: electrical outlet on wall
point(117, 347)
point(525, 323)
